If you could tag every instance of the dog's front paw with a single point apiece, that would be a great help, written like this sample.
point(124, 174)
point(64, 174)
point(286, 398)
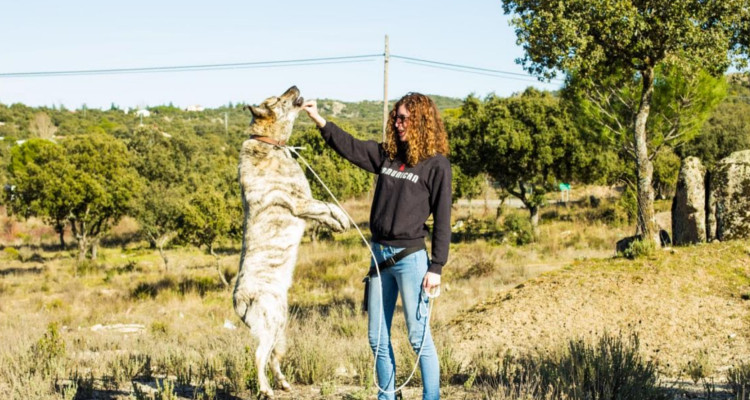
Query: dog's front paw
point(340, 219)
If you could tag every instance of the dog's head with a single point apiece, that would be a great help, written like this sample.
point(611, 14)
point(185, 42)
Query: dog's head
point(275, 116)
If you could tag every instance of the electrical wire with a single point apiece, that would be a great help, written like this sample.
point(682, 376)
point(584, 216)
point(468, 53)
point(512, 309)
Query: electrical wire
point(472, 72)
point(197, 67)
point(280, 63)
point(464, 68)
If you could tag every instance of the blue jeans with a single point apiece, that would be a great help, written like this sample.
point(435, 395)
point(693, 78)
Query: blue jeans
point(405, 278)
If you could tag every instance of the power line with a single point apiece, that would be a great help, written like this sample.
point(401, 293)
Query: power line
point(279, 63)
point(463, 68)
point(473, 72)
point(197, 67)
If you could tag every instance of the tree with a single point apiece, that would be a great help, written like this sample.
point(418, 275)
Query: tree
point(666, 171)
point(341, 177)
point(728, 128)
point(596, 40)
point(41, 184)
point(205, 219)
point(162, 162)
point(466, 186)
point(681, 104)
point(525, 143)
point(106, 185)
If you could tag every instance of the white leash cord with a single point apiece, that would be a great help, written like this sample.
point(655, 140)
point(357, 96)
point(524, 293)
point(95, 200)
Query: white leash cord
point(380, 283)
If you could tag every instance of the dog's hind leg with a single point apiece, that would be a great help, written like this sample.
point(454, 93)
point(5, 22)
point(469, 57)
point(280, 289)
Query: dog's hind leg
point(276, 354)
point(262, 354)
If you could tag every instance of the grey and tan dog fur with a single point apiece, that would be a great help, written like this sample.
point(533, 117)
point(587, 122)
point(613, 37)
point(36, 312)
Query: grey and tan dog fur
point(277, 201)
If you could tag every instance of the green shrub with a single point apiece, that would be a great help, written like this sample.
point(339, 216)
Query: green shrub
point(12, 253)
point(518, 229)
point(639, 248)
point(87, 267)
point(626, 208)
point(47, 351)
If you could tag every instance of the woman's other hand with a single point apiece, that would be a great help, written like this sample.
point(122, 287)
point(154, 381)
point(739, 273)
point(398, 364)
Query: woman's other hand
point(431, 283)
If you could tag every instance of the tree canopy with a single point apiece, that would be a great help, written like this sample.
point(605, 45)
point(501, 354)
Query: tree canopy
point(526, 143)
point(593, 41)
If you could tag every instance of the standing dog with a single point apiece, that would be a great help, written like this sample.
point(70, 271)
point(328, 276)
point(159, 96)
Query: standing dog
point(276, 199)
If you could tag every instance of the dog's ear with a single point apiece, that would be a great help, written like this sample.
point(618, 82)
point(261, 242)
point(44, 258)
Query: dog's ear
point(258, 112)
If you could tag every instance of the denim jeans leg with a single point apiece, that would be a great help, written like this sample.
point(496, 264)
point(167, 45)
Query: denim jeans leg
point(380, 317)
point(409, 274)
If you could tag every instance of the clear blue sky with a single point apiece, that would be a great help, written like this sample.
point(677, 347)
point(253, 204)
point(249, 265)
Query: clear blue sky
point(84, 35)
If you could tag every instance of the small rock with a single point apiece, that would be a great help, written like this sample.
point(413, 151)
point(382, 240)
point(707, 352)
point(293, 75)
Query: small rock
point(120, 328)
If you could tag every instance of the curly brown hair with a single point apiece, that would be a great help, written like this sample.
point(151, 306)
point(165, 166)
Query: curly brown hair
point(425, 130)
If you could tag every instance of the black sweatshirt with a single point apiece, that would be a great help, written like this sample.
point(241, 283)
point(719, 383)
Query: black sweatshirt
point(404, 196)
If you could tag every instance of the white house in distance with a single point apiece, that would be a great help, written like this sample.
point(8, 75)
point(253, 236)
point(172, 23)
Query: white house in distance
point(196, 107)
point(143, 113)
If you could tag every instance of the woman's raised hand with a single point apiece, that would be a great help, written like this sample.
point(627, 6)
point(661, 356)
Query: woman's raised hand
point(311, 108)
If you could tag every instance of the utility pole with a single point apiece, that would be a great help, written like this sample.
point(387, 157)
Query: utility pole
point(385, 87)
point(226, 124)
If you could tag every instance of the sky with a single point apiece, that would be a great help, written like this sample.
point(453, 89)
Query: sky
point(44, 36)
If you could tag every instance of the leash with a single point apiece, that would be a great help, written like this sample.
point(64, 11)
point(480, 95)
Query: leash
point(430, 296)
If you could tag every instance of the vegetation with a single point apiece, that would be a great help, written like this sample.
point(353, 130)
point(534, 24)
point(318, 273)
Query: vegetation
point(728, 127)
point(611, 368)
point(527, 144)
point(626, 44)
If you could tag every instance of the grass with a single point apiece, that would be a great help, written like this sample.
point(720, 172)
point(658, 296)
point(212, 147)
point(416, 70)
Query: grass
point(49, 305)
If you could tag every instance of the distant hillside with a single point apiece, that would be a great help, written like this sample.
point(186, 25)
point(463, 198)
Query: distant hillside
point(685, 304)
point(366, 117)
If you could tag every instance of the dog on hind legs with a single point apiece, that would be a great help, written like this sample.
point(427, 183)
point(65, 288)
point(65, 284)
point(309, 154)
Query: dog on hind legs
point(277, 201)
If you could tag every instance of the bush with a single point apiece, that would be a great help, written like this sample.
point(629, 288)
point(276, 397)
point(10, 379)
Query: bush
point(639, 248)
point(518, 229)
point(626, 208)
point(610, 369)
point(47, 351)
point(87, 267)
point(12, 253)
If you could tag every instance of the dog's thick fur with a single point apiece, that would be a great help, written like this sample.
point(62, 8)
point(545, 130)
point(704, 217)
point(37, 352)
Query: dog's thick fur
point(276, 199)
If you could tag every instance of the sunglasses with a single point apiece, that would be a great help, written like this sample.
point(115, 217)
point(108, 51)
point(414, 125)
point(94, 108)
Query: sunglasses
point(402, 118)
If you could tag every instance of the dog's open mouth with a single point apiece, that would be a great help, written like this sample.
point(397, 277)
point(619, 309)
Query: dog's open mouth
point(298, 102)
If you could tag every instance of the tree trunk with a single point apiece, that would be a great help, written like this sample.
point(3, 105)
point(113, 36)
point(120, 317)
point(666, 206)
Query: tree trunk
point(164, 257)
point(534, 217)
point(218, 267)
point(159, 243)
point(94, 248)
point(60, 229)
point(646, 225)
point(82, 247)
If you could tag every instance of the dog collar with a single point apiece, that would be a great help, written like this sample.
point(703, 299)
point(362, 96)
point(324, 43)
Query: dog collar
point(266, 139)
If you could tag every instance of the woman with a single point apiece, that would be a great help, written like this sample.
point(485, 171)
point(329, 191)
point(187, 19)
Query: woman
point(414, 181)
